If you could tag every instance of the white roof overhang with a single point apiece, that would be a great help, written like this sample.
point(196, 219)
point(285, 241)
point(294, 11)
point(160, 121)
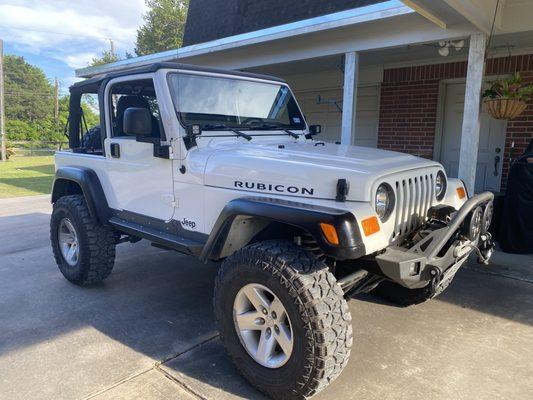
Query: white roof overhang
point(380, 26)
point(375, 12)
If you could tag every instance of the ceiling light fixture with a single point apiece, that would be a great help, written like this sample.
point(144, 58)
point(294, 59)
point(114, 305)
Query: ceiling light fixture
point(445, 45)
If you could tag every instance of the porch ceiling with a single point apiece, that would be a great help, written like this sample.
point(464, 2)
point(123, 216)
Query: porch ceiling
point(511, 16)
point(516, 43)
point(385, 34)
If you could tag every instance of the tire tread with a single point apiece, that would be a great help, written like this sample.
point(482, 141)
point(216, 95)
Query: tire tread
point(98, 246)
point(321, 304)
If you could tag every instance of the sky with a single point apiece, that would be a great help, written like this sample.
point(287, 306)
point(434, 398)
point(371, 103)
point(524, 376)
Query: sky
point(60, 36)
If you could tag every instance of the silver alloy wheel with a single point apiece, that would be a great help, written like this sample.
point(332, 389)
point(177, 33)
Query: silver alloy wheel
point(68, 242)
point(263, 325)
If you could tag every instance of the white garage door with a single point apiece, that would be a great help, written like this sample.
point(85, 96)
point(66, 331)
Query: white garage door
point(324, 107)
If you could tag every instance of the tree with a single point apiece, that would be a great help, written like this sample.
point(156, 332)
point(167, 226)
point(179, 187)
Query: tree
point(29, 104)
point(105, 58)
point(163, 27)
point(29, 95)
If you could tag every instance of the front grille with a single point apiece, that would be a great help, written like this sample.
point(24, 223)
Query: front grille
point(414, 196)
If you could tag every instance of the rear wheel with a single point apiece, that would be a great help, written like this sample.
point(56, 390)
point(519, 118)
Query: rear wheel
point(83, 249)
point(283, 319)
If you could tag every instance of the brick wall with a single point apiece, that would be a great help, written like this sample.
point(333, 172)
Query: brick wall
point(408, 109)
point(519, 131)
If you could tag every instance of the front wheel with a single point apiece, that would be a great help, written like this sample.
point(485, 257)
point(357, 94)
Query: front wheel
point(283, 319)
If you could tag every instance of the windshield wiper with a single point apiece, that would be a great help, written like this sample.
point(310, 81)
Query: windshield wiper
point(274, 126)
point(229, 128)
point(294, 135)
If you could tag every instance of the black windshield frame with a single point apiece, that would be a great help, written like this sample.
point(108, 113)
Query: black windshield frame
point(210, 122)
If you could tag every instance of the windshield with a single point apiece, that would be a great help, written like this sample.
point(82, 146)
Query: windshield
point(225, 103)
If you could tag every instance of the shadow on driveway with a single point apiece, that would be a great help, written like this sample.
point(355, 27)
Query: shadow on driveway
point(155, 306)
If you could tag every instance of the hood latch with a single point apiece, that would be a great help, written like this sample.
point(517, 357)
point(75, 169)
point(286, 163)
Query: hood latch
point(343, 188)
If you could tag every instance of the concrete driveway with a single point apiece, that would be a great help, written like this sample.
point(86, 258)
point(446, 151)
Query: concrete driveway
point(148, 331)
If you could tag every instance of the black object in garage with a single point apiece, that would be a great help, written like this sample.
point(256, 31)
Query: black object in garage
point(515, 230)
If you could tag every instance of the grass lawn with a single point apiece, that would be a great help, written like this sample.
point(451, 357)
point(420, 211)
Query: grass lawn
point(26, 176)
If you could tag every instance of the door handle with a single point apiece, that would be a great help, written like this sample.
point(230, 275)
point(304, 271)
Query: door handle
point(496, 162)
point(115, 150)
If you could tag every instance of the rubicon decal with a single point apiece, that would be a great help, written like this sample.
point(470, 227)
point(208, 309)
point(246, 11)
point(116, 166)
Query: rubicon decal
point(272, 187)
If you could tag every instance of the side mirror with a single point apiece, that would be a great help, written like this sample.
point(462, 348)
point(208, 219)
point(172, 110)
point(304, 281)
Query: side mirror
point(315, 129)
point(137, 122)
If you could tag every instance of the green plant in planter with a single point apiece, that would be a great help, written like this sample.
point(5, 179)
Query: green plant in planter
point(507, 98)
point(510, 88)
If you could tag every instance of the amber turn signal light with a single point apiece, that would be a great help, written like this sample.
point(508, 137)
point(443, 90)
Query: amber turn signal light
point(330, 233)
point(461, 192)
point(370, 225)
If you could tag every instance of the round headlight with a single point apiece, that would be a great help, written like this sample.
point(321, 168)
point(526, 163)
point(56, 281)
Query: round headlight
point(384, 202)
point(440, 185)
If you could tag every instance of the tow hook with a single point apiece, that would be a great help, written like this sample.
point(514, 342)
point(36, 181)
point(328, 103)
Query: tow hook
point(485, 249)
point(435, 272)
point(440, 280)
point(436, 283)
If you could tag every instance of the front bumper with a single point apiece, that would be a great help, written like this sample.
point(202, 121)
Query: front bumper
point(441, 251)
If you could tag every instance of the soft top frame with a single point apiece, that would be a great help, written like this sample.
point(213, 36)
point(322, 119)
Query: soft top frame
point(94, 83)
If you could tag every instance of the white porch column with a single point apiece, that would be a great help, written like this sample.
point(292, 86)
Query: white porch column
point(349, 98)
point(470, 131)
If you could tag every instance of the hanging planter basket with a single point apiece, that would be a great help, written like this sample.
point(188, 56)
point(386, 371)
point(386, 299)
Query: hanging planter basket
point(507, 98)
point(503, 108)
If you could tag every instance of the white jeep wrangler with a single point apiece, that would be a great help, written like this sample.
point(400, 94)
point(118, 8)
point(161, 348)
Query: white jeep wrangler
point(222, 166)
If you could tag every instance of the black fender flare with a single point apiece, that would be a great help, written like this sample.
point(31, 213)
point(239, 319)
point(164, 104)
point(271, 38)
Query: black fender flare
point(90, 186)
point(306, 217)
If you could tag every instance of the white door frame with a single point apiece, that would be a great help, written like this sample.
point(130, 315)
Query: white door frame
point(163, 206)
point(441, 102)
point(439, 126)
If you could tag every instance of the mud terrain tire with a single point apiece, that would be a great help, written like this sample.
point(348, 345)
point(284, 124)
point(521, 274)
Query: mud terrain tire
point(96, 243)
point(319, 315)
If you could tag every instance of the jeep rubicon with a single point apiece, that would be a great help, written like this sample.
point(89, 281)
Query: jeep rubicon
point(222, 166)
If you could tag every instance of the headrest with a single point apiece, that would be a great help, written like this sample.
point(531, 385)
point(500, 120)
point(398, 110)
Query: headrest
point(125, 102)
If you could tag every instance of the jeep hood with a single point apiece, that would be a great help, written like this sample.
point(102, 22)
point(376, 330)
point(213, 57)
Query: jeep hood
point(310, 169)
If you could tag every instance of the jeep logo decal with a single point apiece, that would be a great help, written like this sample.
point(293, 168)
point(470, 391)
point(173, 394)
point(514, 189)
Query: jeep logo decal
point(187, 223)
point(268, 187)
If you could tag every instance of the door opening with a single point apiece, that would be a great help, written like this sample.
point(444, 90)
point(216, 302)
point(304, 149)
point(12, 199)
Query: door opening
point(491, 141)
